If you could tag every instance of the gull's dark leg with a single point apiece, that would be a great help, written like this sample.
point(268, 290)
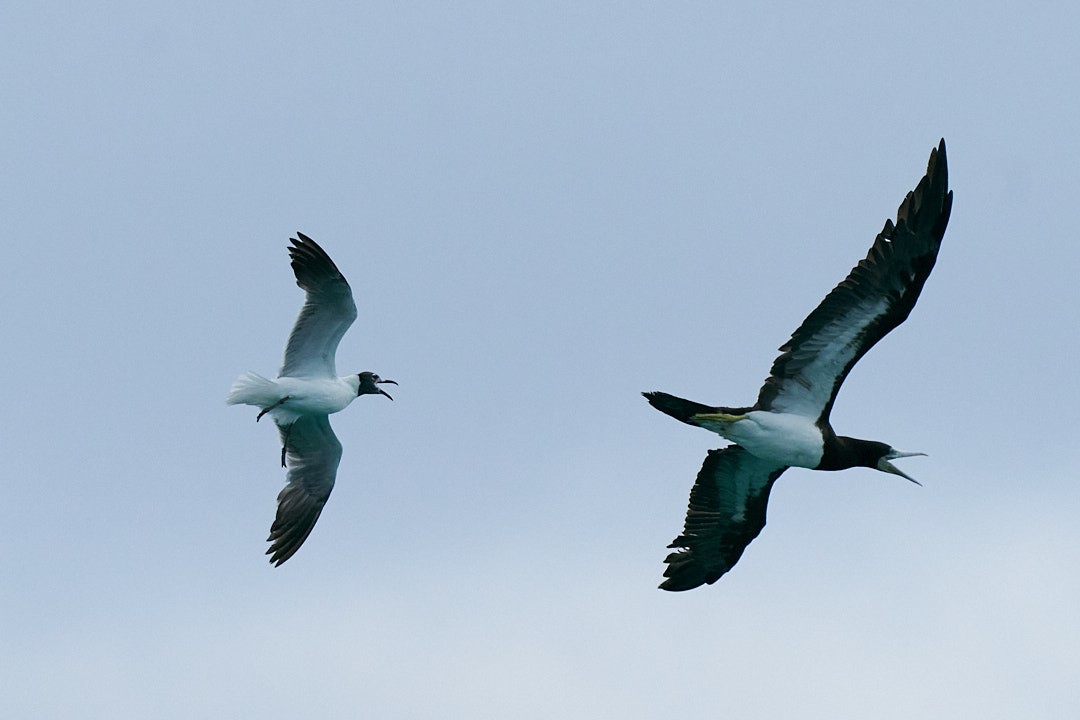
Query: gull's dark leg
point(268, 409)
point(285, 445)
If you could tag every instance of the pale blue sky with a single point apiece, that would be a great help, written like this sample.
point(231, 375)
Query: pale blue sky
point(543, 210)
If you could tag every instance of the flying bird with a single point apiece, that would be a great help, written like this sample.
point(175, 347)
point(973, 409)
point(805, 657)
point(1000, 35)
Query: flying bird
point(306, 392)
point(789, 426)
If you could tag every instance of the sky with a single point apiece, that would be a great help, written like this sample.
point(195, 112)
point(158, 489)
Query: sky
point(543, 209)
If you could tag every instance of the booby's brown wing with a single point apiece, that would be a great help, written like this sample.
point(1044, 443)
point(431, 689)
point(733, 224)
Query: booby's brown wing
point(727, 511)
point(876, 296)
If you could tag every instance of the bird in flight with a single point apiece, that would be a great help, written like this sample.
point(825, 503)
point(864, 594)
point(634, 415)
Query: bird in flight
point(306, 392)
point(789, 424)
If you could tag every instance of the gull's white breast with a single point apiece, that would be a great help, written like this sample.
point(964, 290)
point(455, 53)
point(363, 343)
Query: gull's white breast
point(313, 396)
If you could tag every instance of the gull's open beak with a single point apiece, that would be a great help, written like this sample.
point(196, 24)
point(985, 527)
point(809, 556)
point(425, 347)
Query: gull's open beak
point(885, 466)
point(392, 382)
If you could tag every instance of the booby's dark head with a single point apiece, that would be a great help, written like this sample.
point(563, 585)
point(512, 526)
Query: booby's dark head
point(369, 385)
point(848, 452)
point(877, 455)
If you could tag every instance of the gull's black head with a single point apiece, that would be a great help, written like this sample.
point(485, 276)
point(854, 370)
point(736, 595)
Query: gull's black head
point(369, 385)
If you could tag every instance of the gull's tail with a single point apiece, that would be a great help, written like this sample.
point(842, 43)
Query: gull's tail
point(252, 389)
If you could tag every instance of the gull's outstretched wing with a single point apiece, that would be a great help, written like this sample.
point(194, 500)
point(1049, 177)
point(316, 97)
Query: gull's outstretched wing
point(727, 511)
point(313, 456)
point(328, 312)
point(876, 296)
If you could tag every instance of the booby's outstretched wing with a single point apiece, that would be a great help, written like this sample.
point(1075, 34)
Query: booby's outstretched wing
point(313, 456)
point(327, 313)
point(727, 511)
point(876, 296)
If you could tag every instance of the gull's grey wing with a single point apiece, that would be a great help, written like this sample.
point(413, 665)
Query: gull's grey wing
point(876, 296)
point(727, 511)
point(327, 313)
point(313, 456)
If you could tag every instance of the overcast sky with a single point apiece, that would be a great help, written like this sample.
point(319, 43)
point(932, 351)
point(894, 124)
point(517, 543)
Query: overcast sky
point(543, 209)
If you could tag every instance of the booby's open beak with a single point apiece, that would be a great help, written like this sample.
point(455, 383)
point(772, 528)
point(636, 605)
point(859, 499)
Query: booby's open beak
point(885, 466)
point(392, 382)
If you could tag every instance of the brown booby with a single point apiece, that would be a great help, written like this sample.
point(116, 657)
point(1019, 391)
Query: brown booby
point(789, 426)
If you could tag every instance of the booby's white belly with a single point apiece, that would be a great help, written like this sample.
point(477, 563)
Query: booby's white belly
point(788, 439)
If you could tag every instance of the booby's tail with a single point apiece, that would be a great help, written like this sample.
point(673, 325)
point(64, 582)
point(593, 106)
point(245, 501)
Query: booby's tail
point(684, 410)
point(252, 389)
